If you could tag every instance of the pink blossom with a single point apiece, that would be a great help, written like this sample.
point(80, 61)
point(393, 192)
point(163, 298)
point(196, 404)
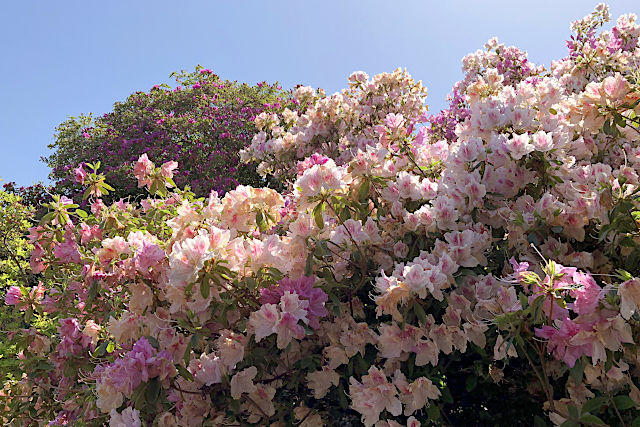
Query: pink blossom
point(303, 287)
point(142, 169)
point(67, 252)
point(129, 417)
point(560, 341)
point(587, 294)
point(80, 174)
point(207, 369)
point(148, 256)
point(167, 169)
point(264, 321)
point(286, 328)
point(14, 296)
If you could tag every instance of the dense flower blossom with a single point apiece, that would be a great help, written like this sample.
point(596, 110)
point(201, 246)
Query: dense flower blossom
point(122, 377)
point(407, 261)
point(303, 288)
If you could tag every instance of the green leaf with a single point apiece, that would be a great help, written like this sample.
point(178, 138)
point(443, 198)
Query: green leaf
point(623, 402)
point(433, 412)
point(152, 393)
point(363, 191)
point(184, 373)
point(308, 267)
point(187, 353)
point(446, 395)
point(592, 419)
point(593, 405)
point(93, 291)
point(110, 347)
point(138, 398)
point(471, 382)
point(48, 217)
point(573, 411)
point(100, 350)
point(81, 213)
point(624, 275)
point(342, 397)
point(205, 287)
point(317, 215)
point(539, 422)
point(420, 313)
point(577, 371)
point(154, 342)
point(524, 302)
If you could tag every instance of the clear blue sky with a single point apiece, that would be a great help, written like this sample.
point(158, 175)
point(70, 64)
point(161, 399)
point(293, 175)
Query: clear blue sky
point(63, 58)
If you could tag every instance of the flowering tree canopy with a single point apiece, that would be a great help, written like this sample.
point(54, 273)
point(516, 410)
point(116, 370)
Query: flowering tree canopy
point(202, 123)
point(497, 241)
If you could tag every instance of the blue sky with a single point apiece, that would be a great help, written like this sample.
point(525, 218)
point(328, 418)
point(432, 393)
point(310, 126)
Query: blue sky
point(65, 58)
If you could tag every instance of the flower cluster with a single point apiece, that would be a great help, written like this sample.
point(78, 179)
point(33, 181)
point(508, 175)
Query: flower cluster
point(404, 265)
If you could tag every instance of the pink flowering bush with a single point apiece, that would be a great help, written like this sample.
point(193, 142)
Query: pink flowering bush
point(479, 266)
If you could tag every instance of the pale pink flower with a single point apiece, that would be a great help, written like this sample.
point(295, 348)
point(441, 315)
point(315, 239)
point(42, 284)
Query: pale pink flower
point(374, 395)
point(129, 417)
point(242, 382)
point(142, 169)
point(287, 328)
point(263, 321)
point(207, 369)
point(542, 141)
point(587, 293)
point(230, 348)
point(629, 292)
point(416, 395)
point(290, 303)
point(167, 169)
point(321, 381)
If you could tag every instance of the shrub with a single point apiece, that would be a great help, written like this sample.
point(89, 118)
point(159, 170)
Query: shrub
point(33, 196)
point(401, 281)
point(15, 219)
point(202, 123)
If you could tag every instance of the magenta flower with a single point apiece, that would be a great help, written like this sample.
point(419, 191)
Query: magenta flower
point(587, 293)
point(14, 295)
point(560, 341)
point(303, 287)
point(80, 174)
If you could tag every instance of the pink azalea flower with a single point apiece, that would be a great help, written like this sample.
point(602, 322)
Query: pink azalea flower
point(303, 287)
point(80, 174)
point(167, 169)
point(587, 294)
point(14, 296)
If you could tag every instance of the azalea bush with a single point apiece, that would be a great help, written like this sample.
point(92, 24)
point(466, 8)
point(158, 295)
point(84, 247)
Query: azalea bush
point(476, 266)
point(33, 196)
point(15, 220)
point(202, 122)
